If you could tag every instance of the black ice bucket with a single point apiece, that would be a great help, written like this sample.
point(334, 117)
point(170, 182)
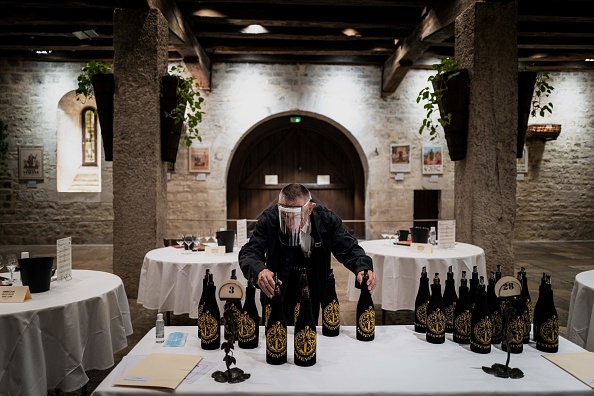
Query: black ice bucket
point(402, 235)
point(226, 238)
point(36, 272)
point(419, 234)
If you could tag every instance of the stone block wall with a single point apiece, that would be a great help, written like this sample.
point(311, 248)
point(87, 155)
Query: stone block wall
point(554, 199)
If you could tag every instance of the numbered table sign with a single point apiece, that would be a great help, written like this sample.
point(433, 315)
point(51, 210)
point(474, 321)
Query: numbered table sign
point(64, 256)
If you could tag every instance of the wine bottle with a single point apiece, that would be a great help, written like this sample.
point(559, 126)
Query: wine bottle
point(515, 325)
point(210, 331)
point(421, 302)
point(248, 330)
point(547, 321)
point(497, 273)
point(537, 306)
point(330, 308)
point(481, 326)
point(528, 301)
point(305, 340)
point(202, 300)
point(365, 313)
point(449, 300)
point(474, 281)
point(436, 319)
point(302, 283)
point(494, 310)
point(276, 329)
point(462, 324)
point(235, 306)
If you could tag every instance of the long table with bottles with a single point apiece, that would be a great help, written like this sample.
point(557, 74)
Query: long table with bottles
point(398, 362)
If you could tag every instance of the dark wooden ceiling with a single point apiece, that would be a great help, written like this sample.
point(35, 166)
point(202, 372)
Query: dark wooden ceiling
point(393, 34)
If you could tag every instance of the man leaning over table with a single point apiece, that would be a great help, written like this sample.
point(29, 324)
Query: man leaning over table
point(298, 234)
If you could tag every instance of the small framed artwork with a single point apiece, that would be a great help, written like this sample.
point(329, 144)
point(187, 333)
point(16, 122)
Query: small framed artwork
point(199, 159)
point(31, 163)
point(522, 163)
point(432, 156)
point(400, 157)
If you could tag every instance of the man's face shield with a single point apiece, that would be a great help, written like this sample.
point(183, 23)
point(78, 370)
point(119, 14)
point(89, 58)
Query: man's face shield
point(292, 219)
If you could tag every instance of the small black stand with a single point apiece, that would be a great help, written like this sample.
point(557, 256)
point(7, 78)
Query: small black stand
point(499, 370)
point(232, 375)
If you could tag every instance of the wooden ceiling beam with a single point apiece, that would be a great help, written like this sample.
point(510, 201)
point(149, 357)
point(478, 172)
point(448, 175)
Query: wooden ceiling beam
point(438, 25)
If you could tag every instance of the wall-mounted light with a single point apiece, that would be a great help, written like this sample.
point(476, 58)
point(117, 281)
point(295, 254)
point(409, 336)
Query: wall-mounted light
point(43, 52)
point(254, 29)
point(85, 34)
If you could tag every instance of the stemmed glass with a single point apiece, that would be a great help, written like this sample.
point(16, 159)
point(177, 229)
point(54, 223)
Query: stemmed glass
point(11, 263)
point(180, 240)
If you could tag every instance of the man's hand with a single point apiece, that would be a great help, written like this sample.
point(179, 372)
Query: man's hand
point(266, 282)
point(370, 282)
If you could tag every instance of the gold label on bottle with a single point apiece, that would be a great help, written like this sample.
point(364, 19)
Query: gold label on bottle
point(483, 331)
point(276, 340)
point(449, 314)
point(200, 314)
point(366, 322)
point(246, 327)
point(422, 313)
point(296, 312)
point(497, 323)
point(462, 323)
point(517, 323)
point(549, 330)
point(305, 343)
point(529, 309)
point(332, 315)
point(436, 323)
point(209, 330)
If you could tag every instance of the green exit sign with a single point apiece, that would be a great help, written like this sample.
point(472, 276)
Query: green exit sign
point(295, 120)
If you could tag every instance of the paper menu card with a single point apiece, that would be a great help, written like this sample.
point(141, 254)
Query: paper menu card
point(579, 364)
point(159, 370)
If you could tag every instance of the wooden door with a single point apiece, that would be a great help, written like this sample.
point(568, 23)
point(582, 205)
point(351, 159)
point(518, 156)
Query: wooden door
point(297, 153)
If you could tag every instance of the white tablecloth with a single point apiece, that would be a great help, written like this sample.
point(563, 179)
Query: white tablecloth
point(398, 362)
point(171, 278)
point(50, 341)
point(580, 322)
point(398, 270)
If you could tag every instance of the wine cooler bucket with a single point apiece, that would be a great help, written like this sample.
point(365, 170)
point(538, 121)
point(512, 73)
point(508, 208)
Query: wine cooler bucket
point(419, 234)
point(226, 238)
point(36, 272)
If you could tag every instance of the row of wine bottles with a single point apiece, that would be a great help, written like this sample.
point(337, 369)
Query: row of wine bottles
point(246, 320)
point(476, 316)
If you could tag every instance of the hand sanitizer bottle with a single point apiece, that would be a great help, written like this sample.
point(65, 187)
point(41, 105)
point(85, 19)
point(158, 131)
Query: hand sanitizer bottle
point(432, 236)
point(160, 329)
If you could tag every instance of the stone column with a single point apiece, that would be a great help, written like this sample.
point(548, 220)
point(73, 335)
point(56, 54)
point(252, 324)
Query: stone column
point(139, 177)
point(485, 182)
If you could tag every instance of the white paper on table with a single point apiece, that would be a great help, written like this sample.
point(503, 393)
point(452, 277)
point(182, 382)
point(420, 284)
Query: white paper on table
point(159, 370)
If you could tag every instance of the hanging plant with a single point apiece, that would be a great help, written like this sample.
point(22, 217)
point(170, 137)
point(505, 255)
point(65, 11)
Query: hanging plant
point(188, 108)
point(85, 83)
point(542, 90)
point(446, 69)
point(3, 140)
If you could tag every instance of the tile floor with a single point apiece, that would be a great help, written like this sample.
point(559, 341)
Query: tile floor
point(563, 260)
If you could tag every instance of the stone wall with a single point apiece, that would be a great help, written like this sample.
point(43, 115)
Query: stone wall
point(554, 199)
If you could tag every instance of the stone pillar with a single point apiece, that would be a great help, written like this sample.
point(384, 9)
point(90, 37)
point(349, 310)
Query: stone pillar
point(139, 177)
point(485, 182)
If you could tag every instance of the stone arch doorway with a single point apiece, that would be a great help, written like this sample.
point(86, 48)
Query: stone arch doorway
point(297, 152)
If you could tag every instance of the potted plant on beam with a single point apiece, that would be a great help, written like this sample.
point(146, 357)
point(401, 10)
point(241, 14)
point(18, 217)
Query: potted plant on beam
point(449, 95)
point(97, 80)
point(180, 102)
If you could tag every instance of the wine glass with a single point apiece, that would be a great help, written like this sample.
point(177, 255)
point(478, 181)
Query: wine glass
point(180, 240)
point(11, 263)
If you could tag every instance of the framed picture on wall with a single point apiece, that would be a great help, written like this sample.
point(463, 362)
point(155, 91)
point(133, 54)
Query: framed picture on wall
point(31, 163)
point(522, 163)
point(400, 157)
point(432, 156)
point(199, 159)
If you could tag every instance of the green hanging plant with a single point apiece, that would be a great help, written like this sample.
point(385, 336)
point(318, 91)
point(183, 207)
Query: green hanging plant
point(85, 85)
point(542, 90)
point(3, 140)
point(188, 106)
point(432, 95)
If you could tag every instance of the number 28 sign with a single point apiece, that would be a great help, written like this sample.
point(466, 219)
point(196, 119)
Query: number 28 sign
point(508, 287)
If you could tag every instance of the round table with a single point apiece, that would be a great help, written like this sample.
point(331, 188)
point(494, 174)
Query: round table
point(51, 340)
point(171, 278)
point(398, 270)
point(580, 322)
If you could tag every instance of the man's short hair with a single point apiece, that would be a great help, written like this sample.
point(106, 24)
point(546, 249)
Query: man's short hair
point(292, 192)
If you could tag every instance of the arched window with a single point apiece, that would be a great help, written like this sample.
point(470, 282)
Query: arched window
point(89, 137)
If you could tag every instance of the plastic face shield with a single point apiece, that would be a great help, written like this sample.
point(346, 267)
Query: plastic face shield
point(291, 220)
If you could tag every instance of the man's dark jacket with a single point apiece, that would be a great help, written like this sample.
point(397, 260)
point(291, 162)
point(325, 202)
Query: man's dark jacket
point(264, 249)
